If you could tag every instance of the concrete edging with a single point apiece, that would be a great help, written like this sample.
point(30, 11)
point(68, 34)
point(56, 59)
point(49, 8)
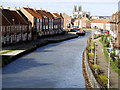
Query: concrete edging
point(88, 75)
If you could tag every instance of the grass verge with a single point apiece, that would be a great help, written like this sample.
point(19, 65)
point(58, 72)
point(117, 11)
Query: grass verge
point(113, 64)
point(7, 51)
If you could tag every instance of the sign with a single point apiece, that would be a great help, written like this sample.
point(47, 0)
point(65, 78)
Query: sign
point(110, 49)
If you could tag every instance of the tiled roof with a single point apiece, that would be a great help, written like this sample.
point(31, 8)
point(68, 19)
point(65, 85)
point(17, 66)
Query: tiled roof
point(4, 22)
point(9, 16)
point(19, 18)
point(85, 19)
point(100, 20)
point(50, 14)
point(23, 16)
point(57, 15)
point(33, 13)
point(13, 17)
point(43, 14)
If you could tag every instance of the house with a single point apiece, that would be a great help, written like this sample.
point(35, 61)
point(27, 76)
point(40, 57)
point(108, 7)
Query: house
point(14, 27)
point(67, 21)
point(48, 21)
point(100, 23)
point(58, 23)
point(115, 28)
point(36, 19)
point(82, 23)
point(43, 22)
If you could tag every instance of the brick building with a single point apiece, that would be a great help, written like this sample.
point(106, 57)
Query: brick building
point(44, 22)
point(67, 21)
point(14, 27)
point(115, 27)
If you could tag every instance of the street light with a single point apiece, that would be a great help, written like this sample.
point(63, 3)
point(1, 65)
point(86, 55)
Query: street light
point(109, 72)
point(110, 50)
point(92, 35)
point(92, 39)
point(95, 55)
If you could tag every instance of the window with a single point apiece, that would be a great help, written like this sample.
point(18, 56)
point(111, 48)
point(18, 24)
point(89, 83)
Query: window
point(0, 28)
point(37, 20)
point(3, 28)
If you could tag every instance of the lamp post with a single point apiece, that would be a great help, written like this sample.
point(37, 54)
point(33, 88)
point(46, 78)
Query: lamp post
point(92, 39)
point(109, 72)
point(95, 55)
point(110, 50)
point(92, 35)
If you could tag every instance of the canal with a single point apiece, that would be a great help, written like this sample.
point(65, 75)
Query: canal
point(56, 65)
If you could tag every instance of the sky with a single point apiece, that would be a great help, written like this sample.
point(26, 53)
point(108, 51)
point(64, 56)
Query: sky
point(95, 7)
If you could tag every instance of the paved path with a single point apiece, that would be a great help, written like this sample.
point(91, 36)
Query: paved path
point(101, 60)
point(12, 53)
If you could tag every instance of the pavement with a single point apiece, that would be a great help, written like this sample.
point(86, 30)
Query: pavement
point(101, 60)
point(12, 53)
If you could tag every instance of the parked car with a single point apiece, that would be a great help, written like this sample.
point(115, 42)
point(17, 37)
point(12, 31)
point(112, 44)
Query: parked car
point(97, 33)
point(107, 31)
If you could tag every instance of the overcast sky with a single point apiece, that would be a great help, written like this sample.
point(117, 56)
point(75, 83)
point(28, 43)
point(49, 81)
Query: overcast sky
point(96, 7)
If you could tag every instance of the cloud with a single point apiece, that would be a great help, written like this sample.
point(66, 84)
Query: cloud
point(59, 1)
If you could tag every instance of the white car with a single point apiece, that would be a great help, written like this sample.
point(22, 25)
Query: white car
point(97, 33)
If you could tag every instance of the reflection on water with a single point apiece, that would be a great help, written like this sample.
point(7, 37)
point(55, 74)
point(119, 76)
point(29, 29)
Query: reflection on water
point(57, 65)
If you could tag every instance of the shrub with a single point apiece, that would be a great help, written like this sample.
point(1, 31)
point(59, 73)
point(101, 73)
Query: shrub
point(103, 78)
point(96, 66)
point(92, 47)
point(91, 54)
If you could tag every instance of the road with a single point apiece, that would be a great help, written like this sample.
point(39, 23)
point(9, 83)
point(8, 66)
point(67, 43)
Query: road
point(57, 65)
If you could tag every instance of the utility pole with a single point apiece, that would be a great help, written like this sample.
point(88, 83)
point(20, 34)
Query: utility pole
point(92, 40)
point(95, 55)
point(109, 72)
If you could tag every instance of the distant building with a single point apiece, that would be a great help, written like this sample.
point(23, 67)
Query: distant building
point(67, 21)
point(100, 17)
point(100, 24)
point(82, 23)
point(78, 13)
point(95, 17)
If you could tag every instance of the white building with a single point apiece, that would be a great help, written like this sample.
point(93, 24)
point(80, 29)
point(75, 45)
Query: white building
point(100, 24)
point(78, 13)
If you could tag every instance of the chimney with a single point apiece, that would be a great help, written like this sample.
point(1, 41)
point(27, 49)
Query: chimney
point(19, 8)
point(8, 8)
point(41, 9)
point(35, 9)
point(46, 10)
point(15, 8)
point(27, 6)
point(60, 14)
point(1, 7)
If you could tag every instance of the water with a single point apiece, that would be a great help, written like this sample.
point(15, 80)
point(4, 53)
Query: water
point(57, 65)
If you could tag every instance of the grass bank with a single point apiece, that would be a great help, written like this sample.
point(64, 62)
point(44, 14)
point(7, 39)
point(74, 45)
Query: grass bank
point(113, 64)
